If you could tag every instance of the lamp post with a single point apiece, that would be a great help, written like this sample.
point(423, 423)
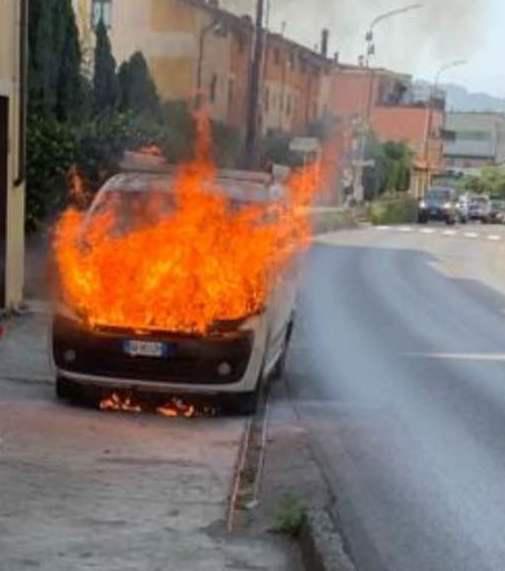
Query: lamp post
point(370, 51)
point(431, 108)
point(219, 28)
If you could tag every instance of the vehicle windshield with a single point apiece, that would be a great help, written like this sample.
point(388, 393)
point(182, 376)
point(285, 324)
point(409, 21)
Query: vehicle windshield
point(439, 195)
point(139, 200)
point(480, 201)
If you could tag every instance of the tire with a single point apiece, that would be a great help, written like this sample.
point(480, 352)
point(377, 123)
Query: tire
point(64, 389)
point(280, 366)
point(450, 221)
point(247, 403)
point(422, 220)
point(244, 404)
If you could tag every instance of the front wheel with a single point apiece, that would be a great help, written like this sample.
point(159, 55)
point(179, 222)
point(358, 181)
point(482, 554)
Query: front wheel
point(244, 404)
point(64, 389)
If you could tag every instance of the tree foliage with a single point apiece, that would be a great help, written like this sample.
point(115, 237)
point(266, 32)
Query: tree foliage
point(54, 78)
point(392, 168)
point(73, 121)
point(138, 91)
point(105, 80)
point(491, 181)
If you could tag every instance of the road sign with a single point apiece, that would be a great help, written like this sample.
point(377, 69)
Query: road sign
point(305, 145)
point(364, 164)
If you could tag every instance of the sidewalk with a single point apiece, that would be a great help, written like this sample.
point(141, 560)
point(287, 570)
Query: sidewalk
point(24, 346)
point(81, 489)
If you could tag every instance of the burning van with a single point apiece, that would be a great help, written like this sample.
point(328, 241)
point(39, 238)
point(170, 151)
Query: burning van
point(178, 282)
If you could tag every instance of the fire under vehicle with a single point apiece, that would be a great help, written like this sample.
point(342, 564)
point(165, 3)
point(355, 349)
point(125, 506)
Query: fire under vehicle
point(230, 360)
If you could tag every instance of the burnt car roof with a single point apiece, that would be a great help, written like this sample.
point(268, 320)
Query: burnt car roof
point(256, 189)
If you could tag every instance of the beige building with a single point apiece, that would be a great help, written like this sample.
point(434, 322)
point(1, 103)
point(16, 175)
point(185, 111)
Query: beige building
point(12, 150)
point(190, 46)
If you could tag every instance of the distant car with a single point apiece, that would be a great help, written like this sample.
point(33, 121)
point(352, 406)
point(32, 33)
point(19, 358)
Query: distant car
point(463, 208)
point(230, 363)
point(439, 204)
point(497, 215)
point(480, 209)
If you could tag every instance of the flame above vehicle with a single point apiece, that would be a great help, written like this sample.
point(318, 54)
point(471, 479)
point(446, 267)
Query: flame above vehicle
point(201, 263)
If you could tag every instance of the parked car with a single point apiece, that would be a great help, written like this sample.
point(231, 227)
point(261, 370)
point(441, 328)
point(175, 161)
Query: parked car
point(497, 215)
point(463, 208)
point(480, 209)
point(230, 363)
point(439, 204)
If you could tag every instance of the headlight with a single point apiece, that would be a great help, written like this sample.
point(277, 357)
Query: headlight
point(422, 204)
point(447, 205)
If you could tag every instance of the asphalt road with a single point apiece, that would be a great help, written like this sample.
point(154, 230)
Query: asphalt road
point(398, 368)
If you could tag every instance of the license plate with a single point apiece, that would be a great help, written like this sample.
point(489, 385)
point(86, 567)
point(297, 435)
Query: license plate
point(147, 349)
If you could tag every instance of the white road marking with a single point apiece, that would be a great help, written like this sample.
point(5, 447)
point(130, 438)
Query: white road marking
point(427, 231)
point(472, 235)
point(459, 356)
point(494, 238)
point(405, 229)
point(450, 233)
point(382, 228)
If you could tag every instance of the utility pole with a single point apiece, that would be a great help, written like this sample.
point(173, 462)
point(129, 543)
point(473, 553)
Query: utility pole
point(431, 111)
point(250, 157)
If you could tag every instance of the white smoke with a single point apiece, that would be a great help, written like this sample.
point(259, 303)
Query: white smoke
point(440, 31)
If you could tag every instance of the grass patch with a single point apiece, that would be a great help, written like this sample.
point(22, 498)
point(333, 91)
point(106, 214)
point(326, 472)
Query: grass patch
point(290, 516)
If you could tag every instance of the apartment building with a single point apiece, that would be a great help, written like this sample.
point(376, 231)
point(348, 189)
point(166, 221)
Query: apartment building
point(296, 86)
point(475, 140)
point(386, 101)
point(191, 47)
point(12, 150)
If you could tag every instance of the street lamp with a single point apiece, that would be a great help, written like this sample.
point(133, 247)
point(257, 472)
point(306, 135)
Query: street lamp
point(431, 108)
point(370, 51)
point(370, 48)
point(218, 28)
point(447, 67)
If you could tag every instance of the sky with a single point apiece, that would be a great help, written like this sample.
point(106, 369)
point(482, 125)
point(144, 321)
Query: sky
point(418, 43)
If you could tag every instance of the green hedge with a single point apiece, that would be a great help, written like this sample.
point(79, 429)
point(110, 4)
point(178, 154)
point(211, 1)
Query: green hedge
point(401, 210)
point(330, 220)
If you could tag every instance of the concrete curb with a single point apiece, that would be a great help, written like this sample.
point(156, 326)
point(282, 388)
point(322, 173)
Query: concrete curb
point(321, 546)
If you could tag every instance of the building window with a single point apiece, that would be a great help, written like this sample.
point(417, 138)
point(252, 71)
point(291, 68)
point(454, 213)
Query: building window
point(288, 106)
point(213, 88)
point(231, 92)
point(267, 99)
point(102, 12)
point(292, 60)
point(277, 56)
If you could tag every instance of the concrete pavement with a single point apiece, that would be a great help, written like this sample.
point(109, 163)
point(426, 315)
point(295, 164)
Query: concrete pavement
point(398, 371)
point(83, 490)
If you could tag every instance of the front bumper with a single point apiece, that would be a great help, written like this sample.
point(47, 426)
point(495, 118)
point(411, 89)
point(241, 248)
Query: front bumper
point(436, 213)
point(97, 357)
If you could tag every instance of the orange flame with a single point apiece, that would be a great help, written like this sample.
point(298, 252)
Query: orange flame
point(199, 264)
point(117, 403)
point(175, 408)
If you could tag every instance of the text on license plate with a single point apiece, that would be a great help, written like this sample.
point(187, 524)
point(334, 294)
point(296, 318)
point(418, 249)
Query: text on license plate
point(145, 349)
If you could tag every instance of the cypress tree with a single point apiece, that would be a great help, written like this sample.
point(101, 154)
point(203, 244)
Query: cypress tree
point(69, 87)
point(54, 79)
point(105, 81)
point(137, 87)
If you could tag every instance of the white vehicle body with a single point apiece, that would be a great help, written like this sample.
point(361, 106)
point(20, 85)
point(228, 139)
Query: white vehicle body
point(81, 356)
